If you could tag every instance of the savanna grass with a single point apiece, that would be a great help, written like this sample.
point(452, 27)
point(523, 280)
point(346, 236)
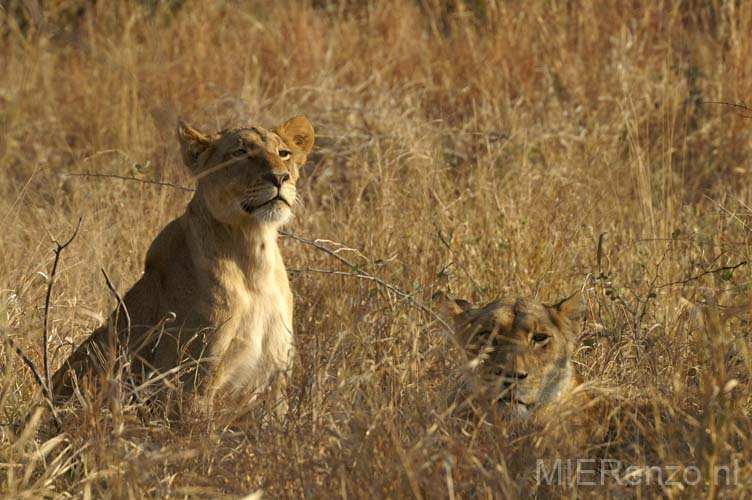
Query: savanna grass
point(486, 147)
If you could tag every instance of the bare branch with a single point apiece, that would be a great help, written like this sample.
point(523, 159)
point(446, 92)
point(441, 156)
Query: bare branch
point(45, 321)
point(318, 244)
point(37, 377)
point(457, 259)
point(120, 304)
point(135, 179)
point(357, 272)
point(741, 106)
point(704, 273)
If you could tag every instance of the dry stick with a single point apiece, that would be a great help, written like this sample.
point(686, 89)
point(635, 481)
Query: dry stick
point(37, 378)
point(29, 363)
point(704, 273)
point(120, 303)
point(45, 331)
point(115, 339)
point(741, 106)
point(135, 179)
point(219, 166)
point(356, 272)
point(454, 254)
point(196, 177)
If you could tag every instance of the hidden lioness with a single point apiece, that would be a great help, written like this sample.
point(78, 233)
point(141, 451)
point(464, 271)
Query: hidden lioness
point(214, 304)
point(519, 352)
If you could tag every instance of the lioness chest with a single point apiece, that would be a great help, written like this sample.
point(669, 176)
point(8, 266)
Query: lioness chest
point(253, 340)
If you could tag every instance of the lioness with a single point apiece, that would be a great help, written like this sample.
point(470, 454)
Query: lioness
point(214, 301)
point(519, 352)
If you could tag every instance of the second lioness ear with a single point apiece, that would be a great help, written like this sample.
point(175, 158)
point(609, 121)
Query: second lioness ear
point(298, 132)
point(572, 307)
point(451, 307)
point(192, 144)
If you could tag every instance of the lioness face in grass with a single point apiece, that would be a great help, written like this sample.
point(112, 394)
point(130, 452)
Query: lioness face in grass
point(519, 350)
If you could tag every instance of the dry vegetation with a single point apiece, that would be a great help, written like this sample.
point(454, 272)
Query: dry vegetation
point(490, 148)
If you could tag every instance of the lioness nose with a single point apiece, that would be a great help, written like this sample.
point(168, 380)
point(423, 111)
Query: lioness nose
point(277, 179)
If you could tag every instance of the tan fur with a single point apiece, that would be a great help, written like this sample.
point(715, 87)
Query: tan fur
point(217, 269)
point(519, 352)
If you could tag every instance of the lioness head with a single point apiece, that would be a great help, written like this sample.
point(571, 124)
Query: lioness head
point(248, 174)
point(519, 349)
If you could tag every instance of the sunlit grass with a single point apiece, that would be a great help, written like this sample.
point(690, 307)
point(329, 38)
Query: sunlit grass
point(490, 148)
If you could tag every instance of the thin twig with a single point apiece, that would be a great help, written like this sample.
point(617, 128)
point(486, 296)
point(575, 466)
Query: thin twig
point(37, 377)
point(135, 179)
point(45, 321)
point(121, 304)
point(704, 273)
point(318, 244)
point(364, 276)
point(357, 272)
point(219, 166)
point(29, 363)
point(456, 257)
point(733, 105)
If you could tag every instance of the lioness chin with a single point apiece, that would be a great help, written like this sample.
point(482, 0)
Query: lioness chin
point(214, 302)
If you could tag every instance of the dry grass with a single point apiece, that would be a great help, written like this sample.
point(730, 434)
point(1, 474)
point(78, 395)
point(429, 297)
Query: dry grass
point(479, 146)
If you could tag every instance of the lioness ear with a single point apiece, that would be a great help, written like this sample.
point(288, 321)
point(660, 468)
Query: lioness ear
point(572, 307)
point(298, 132)
point(451, 307)
point(192, 144)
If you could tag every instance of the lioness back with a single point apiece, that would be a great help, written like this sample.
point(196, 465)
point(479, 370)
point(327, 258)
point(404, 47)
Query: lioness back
point(214, 304)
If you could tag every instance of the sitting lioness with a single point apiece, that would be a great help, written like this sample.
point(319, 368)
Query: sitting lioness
point(214, 302)
point(519, 352)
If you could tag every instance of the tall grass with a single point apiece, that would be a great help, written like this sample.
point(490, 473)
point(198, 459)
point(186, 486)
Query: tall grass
point(491, 148)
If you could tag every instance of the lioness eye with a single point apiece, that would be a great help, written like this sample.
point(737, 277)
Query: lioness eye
point(239, 152)
point(484, 335)
point(539, 338)
point(284, 154)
